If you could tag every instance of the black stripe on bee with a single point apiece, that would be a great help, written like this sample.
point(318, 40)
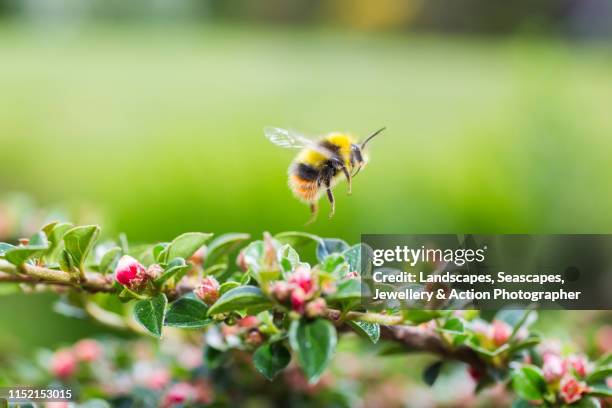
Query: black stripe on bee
point(306, 172)
point(329, 146)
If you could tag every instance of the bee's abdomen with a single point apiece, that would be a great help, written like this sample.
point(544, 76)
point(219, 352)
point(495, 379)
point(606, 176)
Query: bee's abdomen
point(303, 181)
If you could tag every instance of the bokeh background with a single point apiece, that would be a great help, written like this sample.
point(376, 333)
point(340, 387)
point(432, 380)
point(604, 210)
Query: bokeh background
point(147, 116)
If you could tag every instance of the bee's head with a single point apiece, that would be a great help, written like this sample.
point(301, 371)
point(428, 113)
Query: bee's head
point(358, 154)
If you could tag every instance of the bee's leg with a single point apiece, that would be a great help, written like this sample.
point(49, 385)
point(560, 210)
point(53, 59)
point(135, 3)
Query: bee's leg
point(314, 210)
point(348, 178)
point(332, 202)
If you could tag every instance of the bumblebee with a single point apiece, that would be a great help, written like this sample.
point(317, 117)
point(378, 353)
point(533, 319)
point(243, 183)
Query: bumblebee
point(321, 164)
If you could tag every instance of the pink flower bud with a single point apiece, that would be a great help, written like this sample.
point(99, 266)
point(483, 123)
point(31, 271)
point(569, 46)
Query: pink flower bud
point(154, 271)
point(571, 389)
point(88, 350)
point(302, 278)
point(208, 290)
point(130, 272)
point(553, 368)
point(63, 364)
point(577, 363)
point(248, 322)
point(501, 332)
point(281, 291)
point(298, 300)
point(180, 393)
point(316, 308)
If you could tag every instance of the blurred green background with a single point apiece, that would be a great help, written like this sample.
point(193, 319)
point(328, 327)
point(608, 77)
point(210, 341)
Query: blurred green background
point(147, 117)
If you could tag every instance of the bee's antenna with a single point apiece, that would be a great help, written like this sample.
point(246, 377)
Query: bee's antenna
point(363, 144)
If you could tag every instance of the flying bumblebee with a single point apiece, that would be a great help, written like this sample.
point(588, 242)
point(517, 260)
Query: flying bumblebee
point(321, 164)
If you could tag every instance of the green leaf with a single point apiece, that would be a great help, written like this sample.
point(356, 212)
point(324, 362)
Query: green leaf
point(600, 391)
point(315, 343)
point(109, 260)
point(19, 255)
point(332, 264)
point(271, 358)
point(329, 246)
point(224, 245)
point(521, 403)
point(585, 402)
point(348, 291)
point(528, 382)
point(418, 316)
point(297, 239)
point(227, 286)
point(5, 247)
point(78, 241)
point(150, 313)
point(175, 269)
point(288, 258)
point(600, 373)
point(158, 250)
point(353, 257)
point(243, 297)
point(184, 246)
point(55, 234)
point(431, 373)
point(187, 312)
point(365, 329)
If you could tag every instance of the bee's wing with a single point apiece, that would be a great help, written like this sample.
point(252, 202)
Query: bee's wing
point(293, 140)
point(286, 138)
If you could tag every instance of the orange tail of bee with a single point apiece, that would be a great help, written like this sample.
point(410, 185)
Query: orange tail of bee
point(305, 190)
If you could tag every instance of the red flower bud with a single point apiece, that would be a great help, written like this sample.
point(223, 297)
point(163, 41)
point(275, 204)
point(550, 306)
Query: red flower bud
point(248, 322)
point(572, 389)
point(501, 332)
point(63, 364)
point(88, 350)
point(130, 272)
point(316, 308)
point(154, 271)
point(208, 290)
point(578, 363)
point(302, 278)
point(298, 299)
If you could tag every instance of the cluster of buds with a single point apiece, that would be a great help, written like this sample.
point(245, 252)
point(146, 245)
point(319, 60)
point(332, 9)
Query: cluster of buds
point(133, 275)
point(65, 362)
point(300, 291)
point(564, 374)
point(208, 290)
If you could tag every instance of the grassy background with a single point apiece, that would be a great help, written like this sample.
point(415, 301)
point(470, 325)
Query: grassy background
point(159, 130)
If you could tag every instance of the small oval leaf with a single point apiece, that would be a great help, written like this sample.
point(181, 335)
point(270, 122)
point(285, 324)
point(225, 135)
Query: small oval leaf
point(243, 297)
point(150, 313)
